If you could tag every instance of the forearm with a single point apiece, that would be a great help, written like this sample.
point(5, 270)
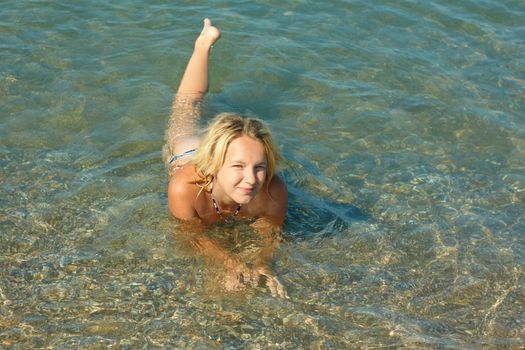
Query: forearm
point(271, 235)
point(213, 250)
point(267, 253)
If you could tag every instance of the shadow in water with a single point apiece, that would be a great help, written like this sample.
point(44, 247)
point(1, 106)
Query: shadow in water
point(318, 206)
point(310, 216)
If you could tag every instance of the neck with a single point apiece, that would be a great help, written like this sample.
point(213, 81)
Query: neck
point(224, 202)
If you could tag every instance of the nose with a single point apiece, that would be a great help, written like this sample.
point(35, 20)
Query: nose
point(249, 176)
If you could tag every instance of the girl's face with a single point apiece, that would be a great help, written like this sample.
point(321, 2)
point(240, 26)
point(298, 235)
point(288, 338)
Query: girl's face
point(243, 172)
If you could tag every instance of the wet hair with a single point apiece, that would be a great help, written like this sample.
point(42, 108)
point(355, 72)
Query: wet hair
point(223, 129)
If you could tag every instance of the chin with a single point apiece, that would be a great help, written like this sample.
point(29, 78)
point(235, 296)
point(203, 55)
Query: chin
point(245, 198)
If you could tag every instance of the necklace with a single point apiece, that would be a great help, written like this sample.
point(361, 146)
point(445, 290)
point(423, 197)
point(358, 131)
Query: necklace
point(216, 206)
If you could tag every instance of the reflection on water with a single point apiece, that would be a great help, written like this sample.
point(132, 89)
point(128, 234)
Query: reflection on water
point(403, 128)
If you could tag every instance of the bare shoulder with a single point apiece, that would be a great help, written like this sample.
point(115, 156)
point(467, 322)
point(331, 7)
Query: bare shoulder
point(182, 193)
point(278, 199)
point(277, 188)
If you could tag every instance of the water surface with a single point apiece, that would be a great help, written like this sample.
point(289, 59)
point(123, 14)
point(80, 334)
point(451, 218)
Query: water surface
point(403, 126)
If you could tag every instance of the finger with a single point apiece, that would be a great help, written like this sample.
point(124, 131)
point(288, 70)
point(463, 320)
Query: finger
point(272, 286)
point(282, 292)
point(280, 289)
point(275, 286)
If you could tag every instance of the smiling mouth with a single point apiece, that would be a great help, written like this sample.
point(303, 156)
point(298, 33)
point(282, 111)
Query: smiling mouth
point(247, 190)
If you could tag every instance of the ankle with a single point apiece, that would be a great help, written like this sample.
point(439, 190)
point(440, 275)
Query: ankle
point(202, 47)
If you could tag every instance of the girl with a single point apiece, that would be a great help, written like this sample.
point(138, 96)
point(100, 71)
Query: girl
point(227, 174)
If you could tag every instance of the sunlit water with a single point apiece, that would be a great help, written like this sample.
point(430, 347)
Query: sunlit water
point(403, 126)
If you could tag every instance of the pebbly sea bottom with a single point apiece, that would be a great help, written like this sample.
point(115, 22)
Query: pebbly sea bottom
point(403, 128)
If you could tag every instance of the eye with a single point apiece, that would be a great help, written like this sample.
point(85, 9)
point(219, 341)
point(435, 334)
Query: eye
point(261, 167)
point(237, 166)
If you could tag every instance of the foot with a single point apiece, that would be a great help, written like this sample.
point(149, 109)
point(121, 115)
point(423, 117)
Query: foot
point(208, 36)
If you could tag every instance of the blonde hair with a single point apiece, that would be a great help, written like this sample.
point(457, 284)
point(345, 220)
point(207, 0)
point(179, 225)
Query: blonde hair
point(225, 128)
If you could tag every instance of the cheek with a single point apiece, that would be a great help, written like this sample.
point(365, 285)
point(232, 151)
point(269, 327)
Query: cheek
point(230, 176)
point(261, 176)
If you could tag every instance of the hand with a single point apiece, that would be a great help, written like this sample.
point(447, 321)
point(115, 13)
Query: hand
point(238, 277)
point(273, 284)
point(232, 281)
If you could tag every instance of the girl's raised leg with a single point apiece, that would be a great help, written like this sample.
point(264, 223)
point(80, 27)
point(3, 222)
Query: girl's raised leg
point(181, 133)
point(195, 78)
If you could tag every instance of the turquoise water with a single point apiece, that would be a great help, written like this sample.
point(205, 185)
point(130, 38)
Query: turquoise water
point(403, 126)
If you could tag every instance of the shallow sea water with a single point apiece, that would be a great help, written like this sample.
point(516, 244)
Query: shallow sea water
point(403, 126)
